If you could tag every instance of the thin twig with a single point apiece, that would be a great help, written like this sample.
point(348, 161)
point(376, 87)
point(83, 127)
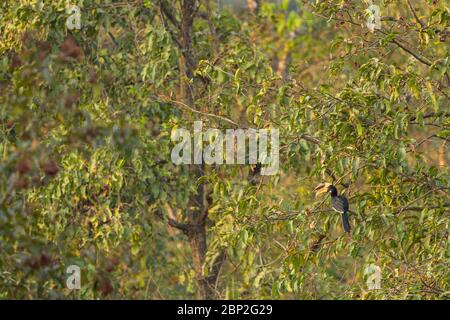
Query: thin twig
point(184, 105)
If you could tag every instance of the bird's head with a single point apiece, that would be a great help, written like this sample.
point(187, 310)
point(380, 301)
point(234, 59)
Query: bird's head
point(323, 188)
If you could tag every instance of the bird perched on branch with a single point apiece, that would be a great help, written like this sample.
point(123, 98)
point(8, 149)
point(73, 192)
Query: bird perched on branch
point(254, 173)
point(338, 203)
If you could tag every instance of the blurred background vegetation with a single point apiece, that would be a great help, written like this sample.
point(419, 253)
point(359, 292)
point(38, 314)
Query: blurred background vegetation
point(86, 178)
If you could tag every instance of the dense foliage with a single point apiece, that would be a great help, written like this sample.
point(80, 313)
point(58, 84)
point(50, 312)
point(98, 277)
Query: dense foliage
point(86, 176)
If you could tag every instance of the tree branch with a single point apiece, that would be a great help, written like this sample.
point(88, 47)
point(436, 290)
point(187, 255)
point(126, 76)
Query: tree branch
point(185, 106)
point(411, 8)
point(173, 221)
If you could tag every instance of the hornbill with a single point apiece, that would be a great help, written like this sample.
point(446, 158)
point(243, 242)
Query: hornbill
point(338, 203)
point(254, 173)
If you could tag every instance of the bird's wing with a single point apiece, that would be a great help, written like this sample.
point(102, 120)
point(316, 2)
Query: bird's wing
point(340, 204)
point(345, 203)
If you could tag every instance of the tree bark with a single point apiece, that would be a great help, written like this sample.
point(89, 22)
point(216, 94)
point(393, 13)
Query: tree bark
point(187, 64)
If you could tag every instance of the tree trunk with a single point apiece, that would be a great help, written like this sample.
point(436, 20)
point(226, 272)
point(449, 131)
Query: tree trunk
point(197, 242)
point(199, 204)
point(195, 227)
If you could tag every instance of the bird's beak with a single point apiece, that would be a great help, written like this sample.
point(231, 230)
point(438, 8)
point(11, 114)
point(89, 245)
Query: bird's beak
point(321, 188)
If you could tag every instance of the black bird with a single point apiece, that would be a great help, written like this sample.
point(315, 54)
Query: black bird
point(254, 173)
point(338, 203)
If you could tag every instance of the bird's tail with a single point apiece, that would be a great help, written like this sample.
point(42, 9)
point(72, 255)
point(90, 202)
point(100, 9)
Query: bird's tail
point(345, 222)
